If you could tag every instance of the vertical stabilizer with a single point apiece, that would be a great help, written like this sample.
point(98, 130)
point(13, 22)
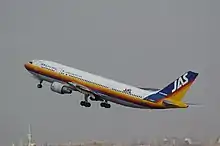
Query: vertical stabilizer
point(175, 90)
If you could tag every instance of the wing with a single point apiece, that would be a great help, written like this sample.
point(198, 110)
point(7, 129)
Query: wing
point(82, 89)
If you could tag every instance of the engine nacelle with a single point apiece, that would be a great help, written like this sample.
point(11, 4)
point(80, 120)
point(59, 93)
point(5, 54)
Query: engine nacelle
point(60, 88)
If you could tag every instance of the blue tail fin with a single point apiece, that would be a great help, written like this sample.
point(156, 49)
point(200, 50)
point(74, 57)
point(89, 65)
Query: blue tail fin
point(175, 90)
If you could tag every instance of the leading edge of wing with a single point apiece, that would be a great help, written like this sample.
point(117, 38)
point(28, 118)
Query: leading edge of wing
point(78, 87)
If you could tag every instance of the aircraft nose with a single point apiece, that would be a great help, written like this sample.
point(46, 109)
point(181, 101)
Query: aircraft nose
point(27, 65)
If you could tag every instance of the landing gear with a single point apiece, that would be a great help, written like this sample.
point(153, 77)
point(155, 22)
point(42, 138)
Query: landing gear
point(40, 84)
point(105, 104)
point(96, 98)
point(85, 102)
point(93, 99)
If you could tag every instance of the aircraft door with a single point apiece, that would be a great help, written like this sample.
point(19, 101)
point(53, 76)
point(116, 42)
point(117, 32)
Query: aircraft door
point(61, 72)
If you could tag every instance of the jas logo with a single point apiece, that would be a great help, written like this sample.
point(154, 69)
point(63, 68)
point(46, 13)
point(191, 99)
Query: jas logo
point(180, 82)
point(127, 91)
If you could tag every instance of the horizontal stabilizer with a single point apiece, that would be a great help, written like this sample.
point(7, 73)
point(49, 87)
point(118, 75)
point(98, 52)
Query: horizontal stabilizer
point(150, 89)
point(169, 104)
point(195, 105)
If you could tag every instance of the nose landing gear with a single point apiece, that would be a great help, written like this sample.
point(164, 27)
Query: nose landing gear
point(40, 84)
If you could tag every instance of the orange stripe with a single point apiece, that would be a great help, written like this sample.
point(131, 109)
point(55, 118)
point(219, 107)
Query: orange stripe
point(66, 78)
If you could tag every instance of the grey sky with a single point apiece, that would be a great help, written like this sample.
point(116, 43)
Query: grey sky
point(143, 43)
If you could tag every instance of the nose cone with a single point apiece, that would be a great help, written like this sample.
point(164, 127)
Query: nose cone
point(28, 65)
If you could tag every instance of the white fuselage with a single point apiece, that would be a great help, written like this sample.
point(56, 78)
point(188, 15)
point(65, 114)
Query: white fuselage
point(107, 83)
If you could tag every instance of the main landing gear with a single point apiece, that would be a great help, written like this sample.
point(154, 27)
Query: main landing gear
point(85, 103)
point(105, 104)
point(40, 84)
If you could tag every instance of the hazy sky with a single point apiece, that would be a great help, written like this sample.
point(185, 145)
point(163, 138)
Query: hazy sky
point(143, 43)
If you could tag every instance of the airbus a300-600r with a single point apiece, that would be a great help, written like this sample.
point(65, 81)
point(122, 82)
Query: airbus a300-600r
point(65, 80)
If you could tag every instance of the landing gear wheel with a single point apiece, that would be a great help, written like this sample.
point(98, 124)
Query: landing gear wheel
point(85, 104)
point(39, 85)
point(88, 104)
point(105, 105)
point(108, 105)
point(102, 104)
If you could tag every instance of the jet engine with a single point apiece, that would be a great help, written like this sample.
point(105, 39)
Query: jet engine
point(60, 88)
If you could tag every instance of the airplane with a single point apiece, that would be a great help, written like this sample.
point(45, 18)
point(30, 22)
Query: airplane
point(65, 80)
